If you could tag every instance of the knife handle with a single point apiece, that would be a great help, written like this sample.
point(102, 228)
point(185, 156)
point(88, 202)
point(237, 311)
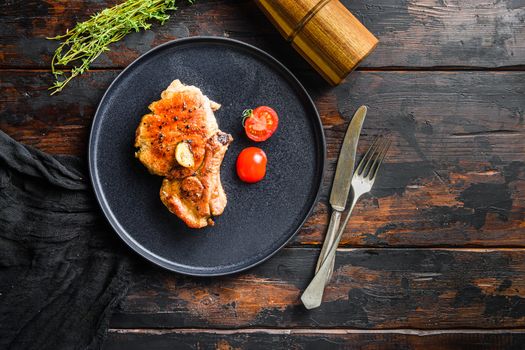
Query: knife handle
point(313, 294)
point(329, 238)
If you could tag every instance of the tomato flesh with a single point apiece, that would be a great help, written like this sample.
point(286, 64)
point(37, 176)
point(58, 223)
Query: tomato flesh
point(261, 124)
point(251, 164)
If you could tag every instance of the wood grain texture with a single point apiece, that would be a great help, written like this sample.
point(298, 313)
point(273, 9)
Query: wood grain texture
point(416, 33)
point(308, 339)
point(371, 289)
point(455, 175)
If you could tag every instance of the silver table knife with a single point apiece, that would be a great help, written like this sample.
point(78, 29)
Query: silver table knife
point(342, 181)
point(362, 182)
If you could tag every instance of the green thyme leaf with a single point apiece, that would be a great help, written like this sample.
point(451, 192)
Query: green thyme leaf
point(87, 40)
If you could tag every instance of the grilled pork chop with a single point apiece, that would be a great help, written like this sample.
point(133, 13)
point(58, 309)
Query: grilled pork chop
point(184, 117)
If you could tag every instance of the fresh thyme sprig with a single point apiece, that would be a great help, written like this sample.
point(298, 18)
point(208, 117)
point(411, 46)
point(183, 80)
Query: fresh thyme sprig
point(87, 40)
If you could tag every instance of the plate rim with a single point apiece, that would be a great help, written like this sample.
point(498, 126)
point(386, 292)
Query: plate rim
point(100, 197)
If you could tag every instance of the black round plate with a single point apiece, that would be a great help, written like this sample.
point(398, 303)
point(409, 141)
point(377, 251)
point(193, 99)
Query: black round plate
point(259, 218)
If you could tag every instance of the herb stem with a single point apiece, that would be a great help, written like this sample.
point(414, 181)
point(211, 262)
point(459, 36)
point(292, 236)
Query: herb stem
point(84, 43)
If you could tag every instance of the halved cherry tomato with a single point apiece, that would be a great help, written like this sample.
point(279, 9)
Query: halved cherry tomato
point(260, 123)
point(251, 164)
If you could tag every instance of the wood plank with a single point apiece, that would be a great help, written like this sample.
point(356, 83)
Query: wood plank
point(371, 289)
point(137, 339)
point(57, 124)
point(416, 33)
point(454, 176)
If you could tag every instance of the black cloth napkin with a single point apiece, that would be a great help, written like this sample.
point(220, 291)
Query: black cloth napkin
point(62, 269)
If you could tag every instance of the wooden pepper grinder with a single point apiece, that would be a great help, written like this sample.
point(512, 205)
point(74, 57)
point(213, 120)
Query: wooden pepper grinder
point(324, 32)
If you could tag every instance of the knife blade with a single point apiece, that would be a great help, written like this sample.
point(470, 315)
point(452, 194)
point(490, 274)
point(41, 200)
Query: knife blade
point(342, 180)
point(346, 162)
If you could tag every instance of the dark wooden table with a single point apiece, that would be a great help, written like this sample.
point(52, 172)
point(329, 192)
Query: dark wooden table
point(434, 258)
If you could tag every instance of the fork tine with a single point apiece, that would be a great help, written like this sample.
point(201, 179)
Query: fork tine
point(369, 152)
point(379, 160)
point(373, 156)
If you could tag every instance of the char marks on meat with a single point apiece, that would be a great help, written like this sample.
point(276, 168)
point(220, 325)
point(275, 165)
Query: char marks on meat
point(183, 114)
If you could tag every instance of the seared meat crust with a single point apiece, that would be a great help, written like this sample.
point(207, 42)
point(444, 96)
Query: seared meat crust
point(197, 198)
point(184, 114)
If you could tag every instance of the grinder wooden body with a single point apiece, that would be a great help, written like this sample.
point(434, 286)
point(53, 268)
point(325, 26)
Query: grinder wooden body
point(324, 32)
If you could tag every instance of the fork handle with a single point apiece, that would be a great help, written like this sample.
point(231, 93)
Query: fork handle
point(339, 233)
point(330, 237)
point(313, 294)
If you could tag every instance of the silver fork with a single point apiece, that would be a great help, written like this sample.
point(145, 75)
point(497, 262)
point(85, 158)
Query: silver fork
point(362, 182)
